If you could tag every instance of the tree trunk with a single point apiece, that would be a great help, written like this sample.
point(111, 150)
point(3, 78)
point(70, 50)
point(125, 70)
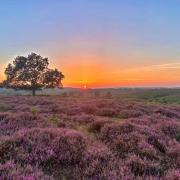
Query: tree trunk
point(34, 92)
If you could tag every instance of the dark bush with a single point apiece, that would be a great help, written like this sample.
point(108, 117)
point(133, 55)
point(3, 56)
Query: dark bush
point(96, 126)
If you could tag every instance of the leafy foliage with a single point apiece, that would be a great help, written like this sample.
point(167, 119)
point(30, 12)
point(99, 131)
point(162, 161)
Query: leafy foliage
point(32, 73)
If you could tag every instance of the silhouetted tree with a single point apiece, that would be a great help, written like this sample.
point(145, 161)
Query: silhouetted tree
point(31, 73)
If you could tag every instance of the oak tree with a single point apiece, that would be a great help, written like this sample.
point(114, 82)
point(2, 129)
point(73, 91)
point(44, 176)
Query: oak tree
point(32, 73)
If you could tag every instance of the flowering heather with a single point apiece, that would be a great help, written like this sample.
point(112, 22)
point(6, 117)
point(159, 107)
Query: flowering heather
point(85, 138)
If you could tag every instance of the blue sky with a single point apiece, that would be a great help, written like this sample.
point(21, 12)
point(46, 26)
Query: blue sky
point(118, 33)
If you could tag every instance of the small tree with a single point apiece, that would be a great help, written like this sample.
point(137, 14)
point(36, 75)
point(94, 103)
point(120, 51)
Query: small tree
point(31, 73)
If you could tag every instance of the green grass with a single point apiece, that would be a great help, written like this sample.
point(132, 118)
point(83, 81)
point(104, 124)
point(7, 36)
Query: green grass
point(160, 96)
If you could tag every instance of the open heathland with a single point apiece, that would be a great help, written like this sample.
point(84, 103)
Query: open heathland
point(53, 137)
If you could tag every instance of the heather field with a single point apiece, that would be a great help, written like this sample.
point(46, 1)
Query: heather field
point(53, 137)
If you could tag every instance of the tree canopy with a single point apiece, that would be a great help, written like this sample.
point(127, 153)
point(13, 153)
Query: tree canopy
point(31, 73)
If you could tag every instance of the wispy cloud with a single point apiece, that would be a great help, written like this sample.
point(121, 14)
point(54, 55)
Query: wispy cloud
point(167, 66)
point(157, 67)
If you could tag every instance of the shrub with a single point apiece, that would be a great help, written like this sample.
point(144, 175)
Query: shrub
point(83, 118)
point(173, 174)
point(4, 108)
point(125, 114)
point(172, 159)
point(54, 108)
point(143, 167)
point(167, 112)
point(97, 94)
point(64, 94)
point(111, 131)
point(96, 126)
point(69, 146)
point(89, 108)
point(96, 161)
point(32, 146)
point(108, 95)
point(34, 111)
point(125, 144)
point(14, 122)
point(10, 170)
point(53, 119)
point(109, 112)
point(37, 146)
point(146, 150)
point(171, 129)
point(157, 144)
point(3, 116)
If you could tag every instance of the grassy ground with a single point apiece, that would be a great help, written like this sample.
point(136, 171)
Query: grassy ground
point(161, 95)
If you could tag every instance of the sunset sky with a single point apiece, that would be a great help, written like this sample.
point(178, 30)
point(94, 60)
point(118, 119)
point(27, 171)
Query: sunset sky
point(101, 43)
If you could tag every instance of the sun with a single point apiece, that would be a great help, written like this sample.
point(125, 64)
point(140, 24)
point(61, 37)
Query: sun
point(85, 86)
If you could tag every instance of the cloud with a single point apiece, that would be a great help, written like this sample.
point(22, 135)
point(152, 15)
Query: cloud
point(167, 66)
point(157, 67)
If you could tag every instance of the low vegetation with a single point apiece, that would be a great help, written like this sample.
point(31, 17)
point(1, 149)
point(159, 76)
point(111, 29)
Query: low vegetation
point(88, 138)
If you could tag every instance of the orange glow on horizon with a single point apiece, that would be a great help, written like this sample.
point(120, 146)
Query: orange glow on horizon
point(95, 74)
point(91, 71)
